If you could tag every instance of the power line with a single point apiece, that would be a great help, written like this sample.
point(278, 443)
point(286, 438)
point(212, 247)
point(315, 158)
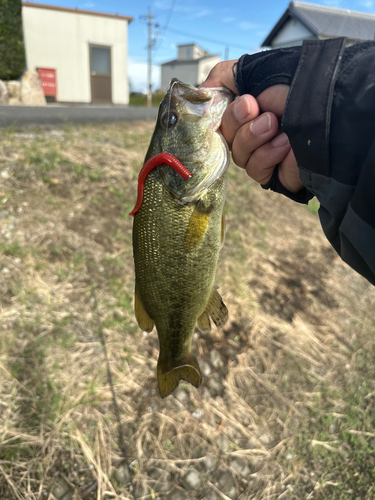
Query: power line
point(165, 27)
point(200, 37)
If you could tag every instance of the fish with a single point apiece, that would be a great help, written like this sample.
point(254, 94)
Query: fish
point(178, 229)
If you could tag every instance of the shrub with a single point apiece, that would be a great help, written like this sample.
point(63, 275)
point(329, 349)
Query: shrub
point(12, 50)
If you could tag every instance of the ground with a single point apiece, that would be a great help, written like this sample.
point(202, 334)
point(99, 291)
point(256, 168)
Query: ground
point(286, 409)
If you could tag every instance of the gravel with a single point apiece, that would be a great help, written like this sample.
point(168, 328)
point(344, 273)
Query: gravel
point(222, 442)
point(205, 368)
point(226, 483)
point(216, 360)
point(178, 494)
point(61, 490)
point(191, 480)
point(240, 466)
point(211, 495)
point(180, 395)
point(210, 463)
point(122, 475)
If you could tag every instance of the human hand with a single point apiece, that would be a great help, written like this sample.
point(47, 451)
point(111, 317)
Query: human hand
point(255, 139)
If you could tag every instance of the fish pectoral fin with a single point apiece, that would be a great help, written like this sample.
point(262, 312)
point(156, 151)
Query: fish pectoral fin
point(196, 229)
point(204, 323)
point(217, 309)
point(143, 319)
point(168, 379)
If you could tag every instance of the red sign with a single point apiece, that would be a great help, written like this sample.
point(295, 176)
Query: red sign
point(48, 78)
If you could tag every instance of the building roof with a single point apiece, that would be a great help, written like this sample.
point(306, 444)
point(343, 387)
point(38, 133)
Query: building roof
point(76, 11)
point(327, 21)
point(188, 61)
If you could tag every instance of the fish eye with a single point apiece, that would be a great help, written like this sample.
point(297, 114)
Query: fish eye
point(169, 120)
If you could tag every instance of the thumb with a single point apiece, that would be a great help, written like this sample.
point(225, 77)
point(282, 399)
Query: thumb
point(273, 99)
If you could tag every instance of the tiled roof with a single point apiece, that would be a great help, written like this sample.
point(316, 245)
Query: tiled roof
point(327, 21)
point(188, 61)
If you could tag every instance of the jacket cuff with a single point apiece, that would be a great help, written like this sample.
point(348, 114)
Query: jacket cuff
point(274, 184)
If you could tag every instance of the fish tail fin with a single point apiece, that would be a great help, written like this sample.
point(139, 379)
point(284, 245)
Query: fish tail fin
point(169, 378)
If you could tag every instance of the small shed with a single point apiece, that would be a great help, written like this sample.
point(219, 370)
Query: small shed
point(85, 53)
point(191, 66)
point(308, 21)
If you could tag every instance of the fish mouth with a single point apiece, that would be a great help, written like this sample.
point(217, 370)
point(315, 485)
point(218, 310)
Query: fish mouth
point(196, 96)
point(188, 92)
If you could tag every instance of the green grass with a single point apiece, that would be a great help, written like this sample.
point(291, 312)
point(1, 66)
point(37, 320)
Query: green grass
point(313, 206)
point(141, 100)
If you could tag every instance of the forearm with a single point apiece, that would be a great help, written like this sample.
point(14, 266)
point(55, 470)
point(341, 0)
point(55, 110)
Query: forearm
point(329, 119)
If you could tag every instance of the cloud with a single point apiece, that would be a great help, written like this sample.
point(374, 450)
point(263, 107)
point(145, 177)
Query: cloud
point(137, 72)
point(228, 19)
point(369, 4)
point(189, 11)
point(163, 5)
point(88, 5)
point(201, 13)
point(245, 25)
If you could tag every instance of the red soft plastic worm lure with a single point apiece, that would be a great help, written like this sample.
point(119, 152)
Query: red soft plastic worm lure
point(152, 163)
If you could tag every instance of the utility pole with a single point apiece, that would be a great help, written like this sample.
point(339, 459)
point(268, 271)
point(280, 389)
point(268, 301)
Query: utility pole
point(150, 44)
point(226, 54)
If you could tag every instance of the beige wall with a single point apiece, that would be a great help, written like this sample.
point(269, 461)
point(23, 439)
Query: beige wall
point(187, 73)
point(291, 34)
point(190, 72)
point(191, 51)
point(60, 40)
point(205, 67)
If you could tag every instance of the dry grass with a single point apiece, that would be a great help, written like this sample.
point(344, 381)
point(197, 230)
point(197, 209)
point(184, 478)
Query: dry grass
point(288, 402)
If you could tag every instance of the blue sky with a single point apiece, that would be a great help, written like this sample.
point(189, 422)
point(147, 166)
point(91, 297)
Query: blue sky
point(239, 25)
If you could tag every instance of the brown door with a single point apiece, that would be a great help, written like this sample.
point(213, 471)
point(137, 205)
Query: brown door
point(101, 81)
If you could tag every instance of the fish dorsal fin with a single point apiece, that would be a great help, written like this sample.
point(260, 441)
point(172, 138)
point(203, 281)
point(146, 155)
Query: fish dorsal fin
point(217, 309)
point(143, 319)
point(196, 229)
point(188, 370)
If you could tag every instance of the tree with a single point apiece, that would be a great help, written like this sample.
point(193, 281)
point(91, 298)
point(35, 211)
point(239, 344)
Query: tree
point(12, 50)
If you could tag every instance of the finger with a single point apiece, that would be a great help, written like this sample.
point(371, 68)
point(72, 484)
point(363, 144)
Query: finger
point(241, 111)
point(251, 136)
point(289, 173)
point(274, 99)
point(263, 160)
point(221, 75)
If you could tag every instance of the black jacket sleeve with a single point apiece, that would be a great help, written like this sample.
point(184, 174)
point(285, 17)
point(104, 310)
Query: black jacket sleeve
point(330, 121)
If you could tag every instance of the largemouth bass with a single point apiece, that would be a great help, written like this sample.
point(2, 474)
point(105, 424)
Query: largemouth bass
point(179, 229)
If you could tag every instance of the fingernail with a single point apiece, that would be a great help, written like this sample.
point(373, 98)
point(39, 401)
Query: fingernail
point(280, 140)
point(241, 108)
point(261, 125)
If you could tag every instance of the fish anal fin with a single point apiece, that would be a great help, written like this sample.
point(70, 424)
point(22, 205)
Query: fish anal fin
point(204, 323)
point(168, 379)
point(143, 319)
point(217, 309)
point(196, 230)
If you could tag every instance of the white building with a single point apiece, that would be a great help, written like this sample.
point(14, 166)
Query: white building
point(87, 51)
point(191, 66)
point(308, 21)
